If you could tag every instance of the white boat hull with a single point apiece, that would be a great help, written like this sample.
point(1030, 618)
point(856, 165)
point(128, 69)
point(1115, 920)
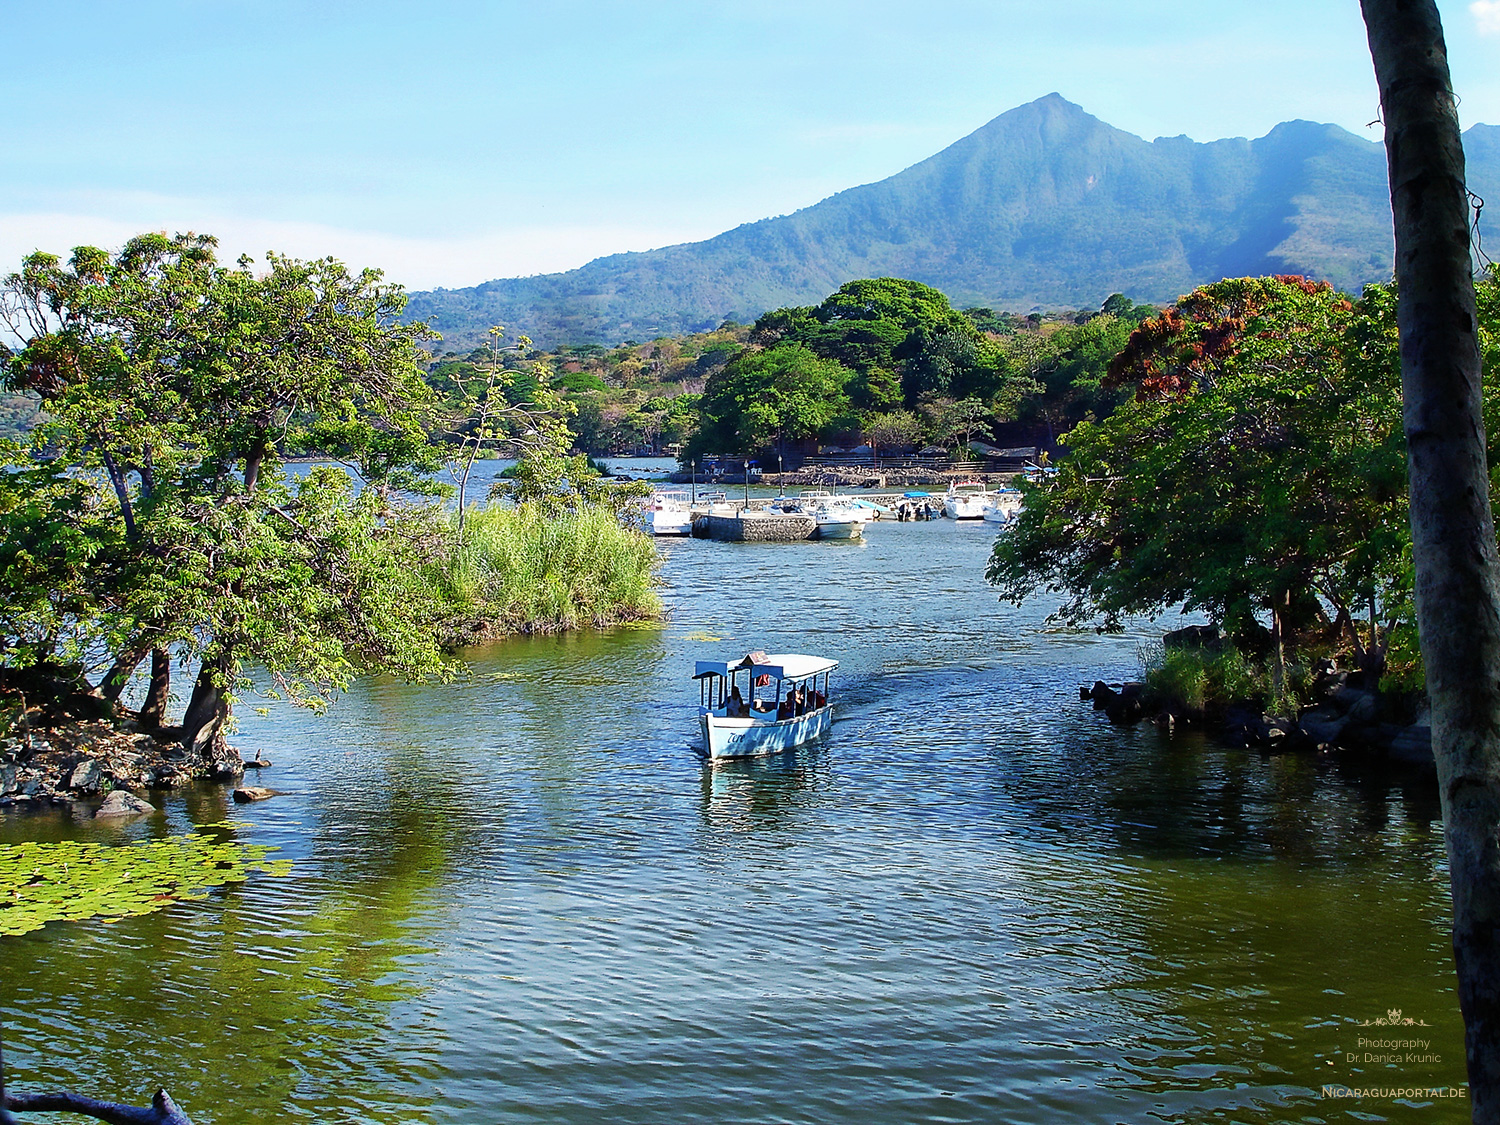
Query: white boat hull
point(669, 522)
point(750, 738)
point(840, 529)
point(965, 507)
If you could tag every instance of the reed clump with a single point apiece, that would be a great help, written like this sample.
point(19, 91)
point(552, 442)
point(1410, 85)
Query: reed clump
point(524, 570)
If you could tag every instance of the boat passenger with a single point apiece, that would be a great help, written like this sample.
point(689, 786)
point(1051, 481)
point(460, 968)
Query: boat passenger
point(735, 708)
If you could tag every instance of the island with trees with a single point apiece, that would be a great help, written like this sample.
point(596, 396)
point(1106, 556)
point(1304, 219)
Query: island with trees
point(148, 519)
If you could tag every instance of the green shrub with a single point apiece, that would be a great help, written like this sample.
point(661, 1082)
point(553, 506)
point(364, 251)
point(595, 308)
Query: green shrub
point(1199, 680)
point(520, 570)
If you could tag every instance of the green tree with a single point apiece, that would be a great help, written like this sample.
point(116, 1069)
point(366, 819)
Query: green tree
point(173, 386)
point(1256, 465)
point(956, 423)
point(897, 429)
point(761, 397)
point(902, 340)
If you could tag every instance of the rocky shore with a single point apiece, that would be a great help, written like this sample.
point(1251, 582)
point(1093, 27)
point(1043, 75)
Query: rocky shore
point(1347, 717)
point(65, 748)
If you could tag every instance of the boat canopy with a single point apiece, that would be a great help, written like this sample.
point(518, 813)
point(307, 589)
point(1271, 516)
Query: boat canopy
point(919, 495)
point(784, 666)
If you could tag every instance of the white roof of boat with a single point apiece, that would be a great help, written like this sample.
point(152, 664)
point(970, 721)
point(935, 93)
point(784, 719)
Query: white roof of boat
point(782, 665)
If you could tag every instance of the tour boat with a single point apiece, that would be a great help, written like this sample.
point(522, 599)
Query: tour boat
point(669, 513)
point(783, 708)
point(1003, 506)
point(966, 500)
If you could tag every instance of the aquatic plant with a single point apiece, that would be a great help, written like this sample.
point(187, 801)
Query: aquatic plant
point(71, 880)
point(522, 570)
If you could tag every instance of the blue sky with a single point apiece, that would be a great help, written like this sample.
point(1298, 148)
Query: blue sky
point(450, 143)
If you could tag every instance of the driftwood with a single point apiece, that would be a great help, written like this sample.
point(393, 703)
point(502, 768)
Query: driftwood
point(163, 1111)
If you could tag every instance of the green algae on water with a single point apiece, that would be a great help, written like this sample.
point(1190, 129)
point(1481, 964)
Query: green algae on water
point(71, 880)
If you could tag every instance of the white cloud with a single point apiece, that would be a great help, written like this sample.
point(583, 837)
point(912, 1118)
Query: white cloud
point(1486, 16)
point(416, 262)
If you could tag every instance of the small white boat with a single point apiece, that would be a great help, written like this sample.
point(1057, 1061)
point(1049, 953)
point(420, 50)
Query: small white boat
point(966, 500)
point(669, 513)
point(835, 522)
point(784, 707)
point(811, 501)
point(1003, 506)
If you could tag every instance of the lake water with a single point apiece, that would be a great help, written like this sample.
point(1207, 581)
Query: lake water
point(524, 898)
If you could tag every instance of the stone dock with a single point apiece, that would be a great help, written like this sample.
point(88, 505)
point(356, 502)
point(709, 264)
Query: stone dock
point(753, 526)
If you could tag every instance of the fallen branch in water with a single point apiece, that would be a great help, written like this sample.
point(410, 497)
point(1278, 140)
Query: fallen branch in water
point(163, 1110)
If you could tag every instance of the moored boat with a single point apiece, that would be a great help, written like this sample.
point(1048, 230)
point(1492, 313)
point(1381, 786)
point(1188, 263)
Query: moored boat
point(669, 513)
point(784, 707)
point(835, 522)
point(966, 500)
point(1003, 506)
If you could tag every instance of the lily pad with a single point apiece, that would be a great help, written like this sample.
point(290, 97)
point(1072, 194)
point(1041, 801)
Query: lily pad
point(72, 880)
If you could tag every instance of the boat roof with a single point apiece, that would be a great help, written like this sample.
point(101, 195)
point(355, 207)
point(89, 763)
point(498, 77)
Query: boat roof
point(782, 665)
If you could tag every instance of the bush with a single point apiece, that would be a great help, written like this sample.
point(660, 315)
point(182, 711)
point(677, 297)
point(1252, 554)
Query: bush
point(520, 570)
point(1201, 681)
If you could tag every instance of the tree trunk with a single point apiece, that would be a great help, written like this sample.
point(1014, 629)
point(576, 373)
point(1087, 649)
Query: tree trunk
point(1278, 647)
point(122, 669)
point(253, 461)
point(207, 714)
point(122, 493)
point(154, 710)
point(1453, 534)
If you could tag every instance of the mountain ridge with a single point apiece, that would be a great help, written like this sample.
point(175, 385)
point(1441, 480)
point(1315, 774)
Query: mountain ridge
point(1045, 205)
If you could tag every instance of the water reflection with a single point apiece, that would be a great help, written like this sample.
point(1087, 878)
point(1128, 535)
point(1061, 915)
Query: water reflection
point(526, 897)
point(762, 794)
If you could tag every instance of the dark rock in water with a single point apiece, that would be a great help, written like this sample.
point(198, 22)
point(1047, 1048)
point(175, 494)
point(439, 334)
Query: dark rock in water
point(1205, 637)
point(1123, 706)
point(124, 803)
point(1365, 708)
point(1413, 744)
point(248, 793)
point(7, 780)
point(1323, 726)
point(258, 763)
point(85, 777)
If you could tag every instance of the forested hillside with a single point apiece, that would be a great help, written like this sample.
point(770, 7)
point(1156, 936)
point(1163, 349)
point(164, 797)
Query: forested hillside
point(1046, 206)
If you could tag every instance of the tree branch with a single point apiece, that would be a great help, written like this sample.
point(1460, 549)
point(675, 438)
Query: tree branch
point(163, 1110)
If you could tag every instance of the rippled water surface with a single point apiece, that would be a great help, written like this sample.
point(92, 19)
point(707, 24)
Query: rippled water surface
point(525, 898)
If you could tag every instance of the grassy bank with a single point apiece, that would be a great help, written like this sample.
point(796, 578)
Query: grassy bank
point(520, 571)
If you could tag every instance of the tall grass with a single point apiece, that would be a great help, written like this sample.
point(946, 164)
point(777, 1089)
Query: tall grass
point(518, 570)
point(1201, 681)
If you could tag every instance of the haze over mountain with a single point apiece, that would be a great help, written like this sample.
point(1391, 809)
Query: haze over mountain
point(1044, 206)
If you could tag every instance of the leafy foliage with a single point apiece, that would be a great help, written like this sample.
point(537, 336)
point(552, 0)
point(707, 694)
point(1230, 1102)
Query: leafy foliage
point(762, 396)
point(149, 510)
point(1258, 467)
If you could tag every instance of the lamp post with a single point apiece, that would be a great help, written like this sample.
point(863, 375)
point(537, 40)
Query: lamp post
point(780, 484)
point(747, 486)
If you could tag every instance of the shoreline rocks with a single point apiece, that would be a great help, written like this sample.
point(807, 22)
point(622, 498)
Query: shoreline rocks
point(1347, 720)
point(82, 759)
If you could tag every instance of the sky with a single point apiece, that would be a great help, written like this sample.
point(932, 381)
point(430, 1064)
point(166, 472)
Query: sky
point(450, 143)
